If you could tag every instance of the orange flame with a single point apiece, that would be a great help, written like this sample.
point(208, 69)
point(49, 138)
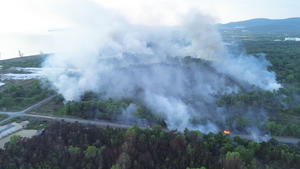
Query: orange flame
point(226, 132)
point(265, 135)
point(148, 126)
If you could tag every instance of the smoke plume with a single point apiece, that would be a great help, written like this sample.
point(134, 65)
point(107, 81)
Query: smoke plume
point(106, 53)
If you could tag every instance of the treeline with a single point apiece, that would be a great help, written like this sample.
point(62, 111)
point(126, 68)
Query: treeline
point(34, 61)
point(105, 109)
point(72, 146)
point(110, 109)
point(17, 97)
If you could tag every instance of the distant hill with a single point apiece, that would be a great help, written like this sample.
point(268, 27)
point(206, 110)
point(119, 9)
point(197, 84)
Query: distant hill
point(261, 24)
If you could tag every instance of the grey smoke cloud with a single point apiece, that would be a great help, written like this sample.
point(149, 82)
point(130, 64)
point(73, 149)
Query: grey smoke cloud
point(250, 70)
point(105, 53)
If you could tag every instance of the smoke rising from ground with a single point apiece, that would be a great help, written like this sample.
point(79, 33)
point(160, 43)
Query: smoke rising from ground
point(105, 53)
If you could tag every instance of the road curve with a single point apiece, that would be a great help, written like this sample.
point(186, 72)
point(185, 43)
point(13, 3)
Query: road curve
point(289, 140)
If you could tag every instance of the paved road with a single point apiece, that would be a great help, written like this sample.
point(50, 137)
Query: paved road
point(289, 140)
point(22, 113)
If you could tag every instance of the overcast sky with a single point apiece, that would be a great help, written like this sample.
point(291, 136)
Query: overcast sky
point(35, 15)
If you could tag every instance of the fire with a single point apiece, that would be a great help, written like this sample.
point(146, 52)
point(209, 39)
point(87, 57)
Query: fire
point(148, 126)
point(266, 135)
point(226, 132)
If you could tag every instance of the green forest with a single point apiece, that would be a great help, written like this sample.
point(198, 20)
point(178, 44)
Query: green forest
point(73, 145)
point(18, 97)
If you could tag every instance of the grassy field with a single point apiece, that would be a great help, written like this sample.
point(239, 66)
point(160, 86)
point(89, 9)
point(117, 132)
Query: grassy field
point(23, 83)
point(52, 107)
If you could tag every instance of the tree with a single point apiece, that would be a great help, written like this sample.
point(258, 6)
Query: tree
point(7, 102)
point(159, 118)
point(254, 146)
point(270, 126)
point(91, 151)
point(296, 109)
point(74, 150)
point(290, 78)
point(241, 122)
point(136, 129)
point(233, 161)
point(156, 129)
point(11, 88)
point(289, 157)
point(293, 129)
point(12, 166)
point(190, 150)
point(124, 161)
point(280, 129)
point(74, 108)
point(186, 131)
point(226, 148)
point(162, 135)
point(273, 141)
point(68, 108)
point(140, 111)
point(13, 139)
point(117, 166)
point(221, 103)
point(240, 141)
point(246, 154)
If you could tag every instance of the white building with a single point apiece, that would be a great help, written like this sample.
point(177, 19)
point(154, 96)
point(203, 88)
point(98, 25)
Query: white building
point(291, 39)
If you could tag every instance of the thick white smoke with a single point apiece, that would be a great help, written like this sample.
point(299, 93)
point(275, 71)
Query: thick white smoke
point(105, 53)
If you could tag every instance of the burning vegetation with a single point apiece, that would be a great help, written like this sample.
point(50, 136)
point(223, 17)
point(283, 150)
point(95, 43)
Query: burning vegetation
point(226, 132)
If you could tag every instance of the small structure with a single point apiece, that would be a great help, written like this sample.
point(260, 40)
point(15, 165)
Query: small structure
point(21, 54)
point(239, 27)
point(12, 128)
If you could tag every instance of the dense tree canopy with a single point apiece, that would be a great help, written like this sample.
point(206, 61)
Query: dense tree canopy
point(72, 145)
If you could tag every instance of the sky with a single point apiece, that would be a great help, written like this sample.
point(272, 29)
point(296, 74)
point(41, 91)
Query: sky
point(40, 15)
point(24, 24)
